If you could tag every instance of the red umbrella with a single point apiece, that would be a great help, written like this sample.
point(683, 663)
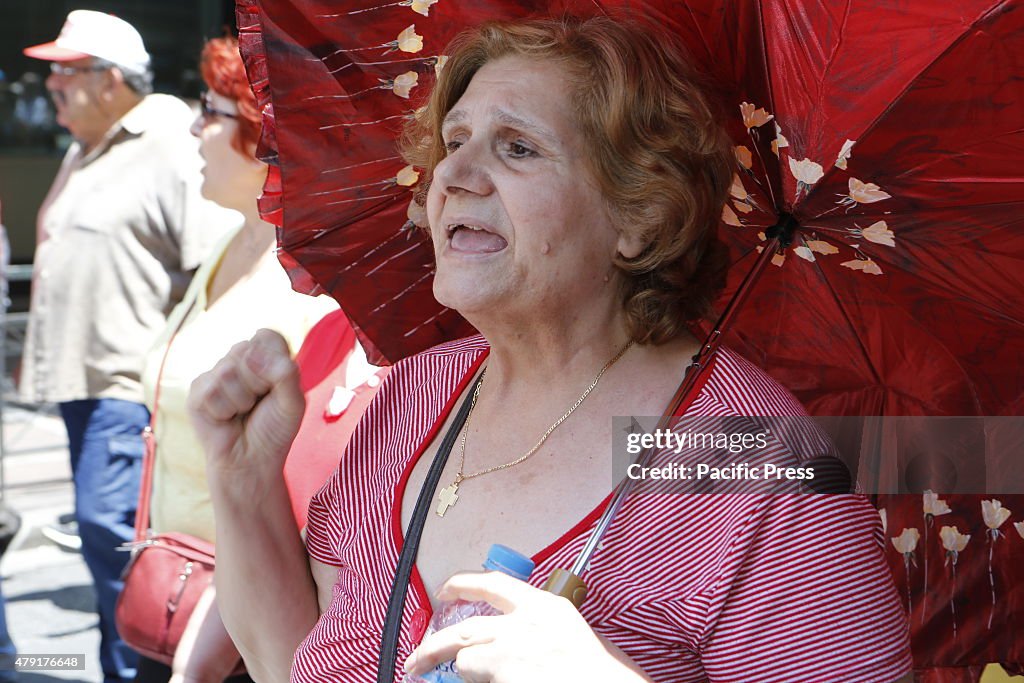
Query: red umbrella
point(890, 136)
point(895, 130)
point(878, 143)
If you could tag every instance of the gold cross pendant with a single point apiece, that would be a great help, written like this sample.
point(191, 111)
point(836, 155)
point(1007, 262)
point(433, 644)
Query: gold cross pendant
point(447, 498)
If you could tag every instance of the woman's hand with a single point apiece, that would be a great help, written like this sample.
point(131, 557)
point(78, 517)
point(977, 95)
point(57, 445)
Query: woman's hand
point(539, 637)
point(247, 409)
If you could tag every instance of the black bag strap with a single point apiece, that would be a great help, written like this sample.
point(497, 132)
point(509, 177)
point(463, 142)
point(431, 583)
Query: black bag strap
point(407, 558)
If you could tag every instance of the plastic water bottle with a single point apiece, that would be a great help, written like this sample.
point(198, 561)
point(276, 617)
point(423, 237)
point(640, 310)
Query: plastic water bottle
point(499, 558)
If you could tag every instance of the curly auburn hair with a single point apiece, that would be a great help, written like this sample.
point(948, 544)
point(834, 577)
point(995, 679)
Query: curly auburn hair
point(223, 71)
point(660, 157)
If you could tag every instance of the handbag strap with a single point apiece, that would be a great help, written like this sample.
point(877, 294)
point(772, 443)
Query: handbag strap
point(411, 544)
point(149, 440)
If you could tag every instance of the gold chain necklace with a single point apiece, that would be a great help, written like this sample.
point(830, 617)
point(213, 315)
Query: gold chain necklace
point(450, 494)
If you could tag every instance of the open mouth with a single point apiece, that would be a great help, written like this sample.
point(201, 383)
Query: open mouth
point(473, 239)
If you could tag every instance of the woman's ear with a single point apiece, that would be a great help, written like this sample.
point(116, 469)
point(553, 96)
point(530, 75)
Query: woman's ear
point(630, 245)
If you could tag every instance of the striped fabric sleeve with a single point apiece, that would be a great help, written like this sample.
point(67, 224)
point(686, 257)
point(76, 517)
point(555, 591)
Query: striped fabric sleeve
point(806, 596)
point(322, 523)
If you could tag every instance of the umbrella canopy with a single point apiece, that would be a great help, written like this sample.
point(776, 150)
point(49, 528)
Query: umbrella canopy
point(886, 137)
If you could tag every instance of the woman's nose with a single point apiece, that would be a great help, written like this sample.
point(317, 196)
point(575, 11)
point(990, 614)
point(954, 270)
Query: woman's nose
point(197, 126)
point(464, 170)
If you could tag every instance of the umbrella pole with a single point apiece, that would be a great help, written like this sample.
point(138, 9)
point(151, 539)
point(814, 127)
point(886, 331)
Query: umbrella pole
point(569, 583)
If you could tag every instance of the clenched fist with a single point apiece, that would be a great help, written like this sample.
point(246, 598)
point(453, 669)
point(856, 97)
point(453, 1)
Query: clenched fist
point(247, 409)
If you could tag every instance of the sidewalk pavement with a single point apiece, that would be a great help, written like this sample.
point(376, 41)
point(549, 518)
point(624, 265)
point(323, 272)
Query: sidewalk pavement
point(50, 600)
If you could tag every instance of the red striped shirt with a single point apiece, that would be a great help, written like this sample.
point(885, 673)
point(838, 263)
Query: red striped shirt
point(723, 587)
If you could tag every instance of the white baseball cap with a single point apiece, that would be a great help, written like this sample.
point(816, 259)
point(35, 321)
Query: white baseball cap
point(87, 33)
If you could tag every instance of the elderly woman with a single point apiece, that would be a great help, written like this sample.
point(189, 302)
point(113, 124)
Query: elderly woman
point(576, 178)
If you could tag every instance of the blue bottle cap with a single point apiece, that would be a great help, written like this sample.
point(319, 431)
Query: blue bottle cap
point(501, 558)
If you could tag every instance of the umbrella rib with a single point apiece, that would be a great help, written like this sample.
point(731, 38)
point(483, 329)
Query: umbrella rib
point(992, 9)
point(771, 100)
point(835, 51)
point(364, 163)
point(962, 151)
point(767, 55)
point(880, 257)
point(981, 304)
point(849, 321)
point(815, 221)
point(699, 29)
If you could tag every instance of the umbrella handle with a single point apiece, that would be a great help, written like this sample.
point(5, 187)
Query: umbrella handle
point(569, 584)
point(571, 587)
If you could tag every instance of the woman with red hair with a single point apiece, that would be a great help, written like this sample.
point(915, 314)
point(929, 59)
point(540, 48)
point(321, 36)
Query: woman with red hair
point(238, 290)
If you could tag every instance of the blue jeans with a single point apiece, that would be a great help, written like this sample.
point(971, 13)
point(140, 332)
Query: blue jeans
point(105, 440)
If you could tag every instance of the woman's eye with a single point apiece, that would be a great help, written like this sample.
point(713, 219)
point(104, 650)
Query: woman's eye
point(519, 150)
point(452, 145)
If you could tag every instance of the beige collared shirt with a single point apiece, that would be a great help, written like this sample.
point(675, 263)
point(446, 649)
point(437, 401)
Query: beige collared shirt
point(120, 234)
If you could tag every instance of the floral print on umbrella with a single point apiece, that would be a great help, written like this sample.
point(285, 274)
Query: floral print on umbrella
point(954, 542)
point(743, 157)
point(862, 193)
point(754, 117)
point(809, 248)
point(994, 514)
point(933, 507)
point(418, 6)
point(807, 174)
point(906, 543)
point(878, 232)
point(780, 141)
point(844, 154)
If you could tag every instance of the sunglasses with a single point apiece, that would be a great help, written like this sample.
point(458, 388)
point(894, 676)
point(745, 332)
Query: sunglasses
point(58, 69)
point(209, 111)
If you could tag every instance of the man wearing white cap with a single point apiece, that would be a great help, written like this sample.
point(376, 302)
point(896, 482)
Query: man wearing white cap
point(118, 237)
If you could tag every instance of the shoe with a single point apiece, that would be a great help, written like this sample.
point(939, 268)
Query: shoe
point(10, 523)
point(64, 535)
